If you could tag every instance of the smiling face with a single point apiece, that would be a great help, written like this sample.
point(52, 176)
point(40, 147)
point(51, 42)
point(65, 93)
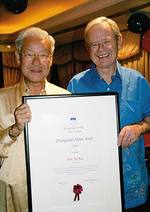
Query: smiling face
point(35, 59)
point(103, 47)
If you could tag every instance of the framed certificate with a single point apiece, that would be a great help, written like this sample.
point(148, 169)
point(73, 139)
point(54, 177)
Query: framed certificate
point(72, 157)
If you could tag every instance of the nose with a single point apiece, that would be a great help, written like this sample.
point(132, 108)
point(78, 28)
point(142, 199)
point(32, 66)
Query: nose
point(100, 45)
point(36, 59)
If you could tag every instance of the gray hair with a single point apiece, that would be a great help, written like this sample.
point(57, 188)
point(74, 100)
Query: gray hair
point(33, 31)
point(102, 20)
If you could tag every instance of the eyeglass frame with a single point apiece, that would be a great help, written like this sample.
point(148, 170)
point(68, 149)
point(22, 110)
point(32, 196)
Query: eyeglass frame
point(105, 43)
point(31, 55)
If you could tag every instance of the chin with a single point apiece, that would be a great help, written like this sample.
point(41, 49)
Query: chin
point(36, 80)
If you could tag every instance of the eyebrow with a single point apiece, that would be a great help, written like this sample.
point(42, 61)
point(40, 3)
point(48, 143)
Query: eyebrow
point(31, 50)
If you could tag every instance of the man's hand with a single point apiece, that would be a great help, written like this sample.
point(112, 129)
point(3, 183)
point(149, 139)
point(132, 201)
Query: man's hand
point(22, 115)
point(128, 135)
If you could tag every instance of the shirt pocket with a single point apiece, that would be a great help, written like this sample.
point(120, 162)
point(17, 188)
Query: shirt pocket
point(130, 112)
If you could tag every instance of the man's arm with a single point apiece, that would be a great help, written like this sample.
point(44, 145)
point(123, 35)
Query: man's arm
point(8, 136)
point(129, 134)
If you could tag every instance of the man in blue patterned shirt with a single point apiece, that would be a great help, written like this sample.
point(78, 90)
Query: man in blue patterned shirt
point(103, 40)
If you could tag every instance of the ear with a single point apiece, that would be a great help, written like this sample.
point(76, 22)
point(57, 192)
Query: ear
point(119, 42)
point(88, 49)
point(17, 57)
point(51, 60)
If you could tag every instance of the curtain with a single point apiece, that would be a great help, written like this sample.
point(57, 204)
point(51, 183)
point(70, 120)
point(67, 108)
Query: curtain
point(11, 71)
point(1, 71)
point(129, 48)
point(133, 56)
point(73, 58)
point(63, 60)
point(70, 59)
point(140, 62)
point(81, 57)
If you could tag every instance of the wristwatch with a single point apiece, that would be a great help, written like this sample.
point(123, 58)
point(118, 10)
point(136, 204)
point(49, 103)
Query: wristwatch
point(12, 135)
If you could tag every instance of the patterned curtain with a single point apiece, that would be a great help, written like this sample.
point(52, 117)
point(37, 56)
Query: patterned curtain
point(11, 71)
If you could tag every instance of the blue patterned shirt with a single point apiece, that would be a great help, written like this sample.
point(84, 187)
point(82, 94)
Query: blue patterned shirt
point(134, 106)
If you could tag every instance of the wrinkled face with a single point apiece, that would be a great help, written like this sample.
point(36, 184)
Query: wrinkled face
point(35, 59)
point(102, 46)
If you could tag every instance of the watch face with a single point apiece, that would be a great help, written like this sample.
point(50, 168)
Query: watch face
point(12, 135)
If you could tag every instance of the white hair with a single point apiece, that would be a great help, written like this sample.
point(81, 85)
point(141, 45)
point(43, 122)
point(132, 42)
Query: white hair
point(102, 20)
point(33, 31)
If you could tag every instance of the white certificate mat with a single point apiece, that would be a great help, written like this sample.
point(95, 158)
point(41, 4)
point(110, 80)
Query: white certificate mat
point(72, 154)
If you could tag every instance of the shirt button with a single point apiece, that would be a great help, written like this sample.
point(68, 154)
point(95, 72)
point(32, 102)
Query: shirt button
point(108, 89)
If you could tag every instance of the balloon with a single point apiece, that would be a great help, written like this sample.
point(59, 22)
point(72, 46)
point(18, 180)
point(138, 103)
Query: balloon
point(146, 40)
point(16, 6)
point(138, 22)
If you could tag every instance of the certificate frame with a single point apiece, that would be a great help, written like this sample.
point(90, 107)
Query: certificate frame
point(66, 121)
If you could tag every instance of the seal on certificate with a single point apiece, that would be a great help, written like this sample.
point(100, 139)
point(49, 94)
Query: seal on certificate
point(77, 189)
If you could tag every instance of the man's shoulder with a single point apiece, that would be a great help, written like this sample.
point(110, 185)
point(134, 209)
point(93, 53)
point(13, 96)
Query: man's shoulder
point(5, 91)
point(130, 75)
point(130, 72)
point(83, 75)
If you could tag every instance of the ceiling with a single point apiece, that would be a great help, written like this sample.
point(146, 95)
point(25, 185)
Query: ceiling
point(66, 20)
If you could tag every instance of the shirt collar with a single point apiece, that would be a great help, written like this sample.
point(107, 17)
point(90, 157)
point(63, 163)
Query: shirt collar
point(25, 91)
point(116, 74)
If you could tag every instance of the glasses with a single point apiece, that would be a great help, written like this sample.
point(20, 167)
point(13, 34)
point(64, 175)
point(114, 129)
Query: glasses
point(42, 56)
point(103, 43)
